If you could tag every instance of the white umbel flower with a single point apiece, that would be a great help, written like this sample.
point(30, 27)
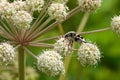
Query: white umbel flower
point(35, 5)
point(57, 11)
point(115, 24)
point(7, 53)
point(19, 5)
point(22, 19)
point(50, 63)
point(63, 47)
point(61, 1)
point(3, 0)
point(88, 54)
point(6, 10)
point(89, 5)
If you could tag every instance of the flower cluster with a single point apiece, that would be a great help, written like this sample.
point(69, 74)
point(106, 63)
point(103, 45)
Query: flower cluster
point(19, 5)
point(3, 0)
point(63, 47)
point(16, 12)
point(20, 12)
point(22, 19)
point(115, 24)
point(50, 62)
point(88, 54)
point(57, 11)
point(7, 53)
point(35, 5)
point(6, 9)
point(89, 5)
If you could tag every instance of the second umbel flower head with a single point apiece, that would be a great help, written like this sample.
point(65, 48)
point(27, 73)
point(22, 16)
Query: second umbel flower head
point(89, 5)
point(50, 62)
point(115, 24)
point(7, 53)
point(88, 54)
point(57, 11)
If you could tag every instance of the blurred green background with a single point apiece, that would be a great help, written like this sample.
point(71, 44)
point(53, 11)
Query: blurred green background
point(108, 43)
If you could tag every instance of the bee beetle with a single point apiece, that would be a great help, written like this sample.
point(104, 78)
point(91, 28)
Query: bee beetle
point(79, 39)
point(70, 35)
point(73, 37)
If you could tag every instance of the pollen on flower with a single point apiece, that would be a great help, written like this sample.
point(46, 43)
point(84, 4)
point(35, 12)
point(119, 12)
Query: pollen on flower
point(115, 24)
point(57, 11)
point(22, 19)
point(88, 54)
point(35, 5)
point(89, 5)
point(63, 47)
point(7, 53)
point(50, 62)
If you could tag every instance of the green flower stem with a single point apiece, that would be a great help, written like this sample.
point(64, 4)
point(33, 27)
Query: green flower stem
point(66, 64)
point(6, 34)
point(95, 31)
point(61, 29)
point(39, 19)
point(29, 52)
point(71, 13)
point(81, 33)
point(45, 30)
point(17, 46)
point(43, 45)
point(48, 39)
point(83, 22)
point(4, 28)
point(21, 60)
point(40, 27)
point(13, 29)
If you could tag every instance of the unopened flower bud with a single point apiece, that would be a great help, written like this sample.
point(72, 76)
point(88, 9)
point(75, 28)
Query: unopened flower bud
point(88, 54)
point(50, 62)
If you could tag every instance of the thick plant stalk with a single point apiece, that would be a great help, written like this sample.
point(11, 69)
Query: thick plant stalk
point(21, 59)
